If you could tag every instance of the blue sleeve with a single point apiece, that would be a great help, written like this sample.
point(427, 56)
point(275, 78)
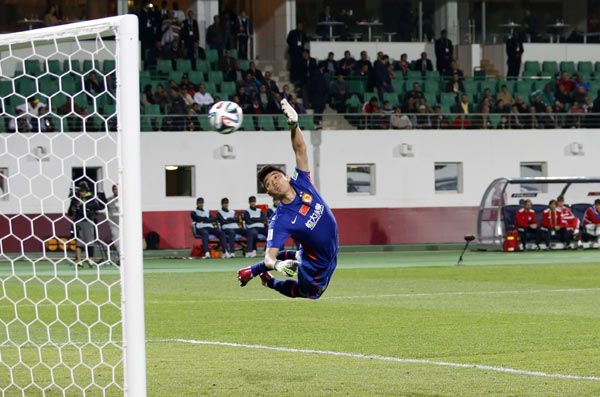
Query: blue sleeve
point(302, 179)
point(276, 237)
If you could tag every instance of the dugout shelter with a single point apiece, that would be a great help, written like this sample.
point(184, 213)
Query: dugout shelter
point(501, 200)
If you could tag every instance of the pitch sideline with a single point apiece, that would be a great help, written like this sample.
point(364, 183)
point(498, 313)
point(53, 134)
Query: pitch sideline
point(384, 358)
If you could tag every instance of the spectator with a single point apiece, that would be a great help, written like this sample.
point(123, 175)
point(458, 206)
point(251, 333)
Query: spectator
point(596, 105)
point(531, 120)
point(275, 107)
point(372, 108)
point(325, 16)
point(570, 221)
point(526, 224)
point(331, 65)
point(364, 69)
point(439, 120)
point(566, 82)
point(503, 123)
point(506, 97)
point(530, 26)
point(113, 211)
point(514, 121)
point(149, 30)
point(579, 82)
point(537, 104)
point(547, 95)
point(92, 85)
point(204, 225)
point(170, 31)
point(82, 211)
point(177, 13)
point(422, 120)
point(265, 99)
point(403, 65)
point(255, 72)
point(74, 113)
point(382, 77)
point(573, 119)
point(443, 52)
point(285, 92)
point(270, 83)
point(243, 31)
point(455, 85)
point(591, 219)
point(53, 16)
point(398, 120)
point(455, 69)
point(43, 122)
point(558, 107)
point(562, 95)
point(346, 64)
point(514, 53)
point(308, 68)
point(463, 106)
point(521, 105)
point(461, 122)
point(340, 92)
point(177, 109)
point(215, 36)
point(414, 94)
point(482, 120)
point(579, 94)
point(487, 97)
point(405, 22)
point(161, 98)
point(229, 19)
point(230, 225)
point(203, 98)
point(296, 40)
point(501, 107)
point(226, 63)
point(256, 223)
point(297, 105)
point(237, 74)
point(549, 119)
point(190, 35)
point(319, 93)
point(249, 86)
point(423, 64)
point(553, 226)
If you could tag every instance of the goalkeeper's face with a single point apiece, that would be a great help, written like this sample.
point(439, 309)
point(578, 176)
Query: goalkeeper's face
point(277, 184)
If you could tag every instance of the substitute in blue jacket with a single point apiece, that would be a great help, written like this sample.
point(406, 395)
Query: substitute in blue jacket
point(303, 215)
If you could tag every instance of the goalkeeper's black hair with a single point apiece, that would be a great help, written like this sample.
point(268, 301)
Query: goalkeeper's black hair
point(266, 170)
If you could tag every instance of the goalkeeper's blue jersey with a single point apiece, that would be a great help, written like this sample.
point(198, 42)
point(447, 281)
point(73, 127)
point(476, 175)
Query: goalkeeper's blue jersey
point(309, 220)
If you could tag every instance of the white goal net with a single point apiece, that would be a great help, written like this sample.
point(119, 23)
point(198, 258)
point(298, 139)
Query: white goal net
point(71, 284)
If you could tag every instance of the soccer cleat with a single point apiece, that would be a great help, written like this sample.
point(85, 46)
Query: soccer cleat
point(265, 278)
point(290, 114)
point(287, 268)
point(206, 255)
point(251, 254)
point(245, 275)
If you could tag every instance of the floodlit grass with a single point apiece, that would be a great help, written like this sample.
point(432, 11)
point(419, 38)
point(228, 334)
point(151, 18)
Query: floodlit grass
point(404, 323)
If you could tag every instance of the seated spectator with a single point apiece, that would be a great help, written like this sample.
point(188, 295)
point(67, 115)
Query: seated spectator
point(249, 85)
point(161, 98)
point(236, 73)
point(204, 225)
point(553, 226)
point(439, 120)
point(591, 222)
point(276, 104)
point(455, 69)
point(515, 121)
point(255, 107)
point(346, 64)
point(203, 98)
point(558, 107)
point(415, 93)
point(191, 121)
point(44, 122)
point(464, 106)
point(270, 83)
point(148, 95)
point(503, 123)
point(424, 64)
point(74, 112)
point(549, 119)
point(19, 123)
point(410, 106)
point(547, 95)
point(185, 83)
point(573, 119)
point(521, 105)
point(531, 120)
point(526, 225)
point(244, 98)
point(501, 107)
point(537, 103)
point(455, 85)
point(226, 62)
point(570, 221)
point(403, 65)
point(374, 121)
point(255, 72)
point(177, 109)
point(462, 122)
point(579, 82)
point(256, 223)
point(265, 99)
point(387, 110)
point(400, 121)
point(230, 225)
point(331, 65)
point(364, 69)
point(486, 99)
point(340, 91)
point(482, 119)
point(285, 92)
point(596, 104)
point(579, 94)
point(505, 96)
point(566, 82)
point(297, 105)
point(422, 120)
point(92, 85)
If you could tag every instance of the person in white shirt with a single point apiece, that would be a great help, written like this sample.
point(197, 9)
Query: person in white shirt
point(203, 98)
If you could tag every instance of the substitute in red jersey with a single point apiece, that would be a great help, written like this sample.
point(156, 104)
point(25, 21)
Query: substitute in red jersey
point(569, 219)
point(591, 219)
point(553, 226)
point(526, 225)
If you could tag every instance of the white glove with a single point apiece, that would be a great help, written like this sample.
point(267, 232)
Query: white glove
point(290, 114)
point(288, 267)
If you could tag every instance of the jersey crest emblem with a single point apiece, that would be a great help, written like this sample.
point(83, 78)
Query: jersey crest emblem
point(307, 198)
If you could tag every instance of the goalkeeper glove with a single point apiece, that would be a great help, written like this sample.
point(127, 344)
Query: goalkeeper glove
point(288, 267)
point(290, 114)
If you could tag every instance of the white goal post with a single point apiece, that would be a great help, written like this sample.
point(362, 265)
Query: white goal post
point(71, 322)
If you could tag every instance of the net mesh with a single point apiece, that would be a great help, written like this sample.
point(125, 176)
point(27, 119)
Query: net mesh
point(60, 323)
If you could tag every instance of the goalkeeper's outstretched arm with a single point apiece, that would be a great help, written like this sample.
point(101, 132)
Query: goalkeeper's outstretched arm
point(298, 143)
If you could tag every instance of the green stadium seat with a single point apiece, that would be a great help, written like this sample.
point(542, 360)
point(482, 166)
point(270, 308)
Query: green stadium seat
point(248, 123)
point(72, 65)
point(471, 87)
point(281, 122)
point(82, 100)
point(414, 75)
point(398, 74)
point(306, 122)
point(431, 87)
point(266, 123)
point(175, 75)
point(356, 86)
point(164, 67)
point(523, 86)
point(196, 77)
point(88, 65)
point(48, 86)
point(215, 77)
point(447, 99)
point(57, 101)
point(567, 66)
point(398, 86)
point(530, 75)
point(210, 87)
point(53, 67)
point(408, 84)
point(109, 66)
point(244, 64)
point(33, 67)
point(370, 94)
point(234, 53)
point(479, 74)
point(203, 66)
point(432, 75)
point(585, 67)
point(5, 88)
point(228, 88)
point(549, 68)
point(392, 98)
point(488, 84)
point(212, 56)
point(532, 67)
point(68, 85)
point(431, 98)
point(25, 85)
point(183, 65)
point(353, 104)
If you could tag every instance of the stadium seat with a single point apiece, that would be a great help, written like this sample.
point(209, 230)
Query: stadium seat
point(579, 209)
point(585, 67)
point(203, 66)
point(356, 86)
point(532, 67)
point(210, 87)
point(215, 77)
point(175, 75)
point(567, 66)
point(57, 101)
point(196, 77)
point(25, 85)
point(108, 66)
point(5, 88)
point(54, 67)
point(353, 104)
point(471, 87)
point(68, 85)
point(72, 65)
point(234, 53)
point(228, 88)
point(33, 67)
point(398, 74)
point(523, 86)
point(48, 85)
point(392, 98)
point(508, 215)
point(266, 123)
point(479, 74)
point(248, 123)
point(212, 55)
point(398, 86)
point(244, 64)
point(204, 125)
point(306, 122)
point(87, 65)
point(447, 99)
point(432, 75)
point(549, 68)
point(431, 98)
point(163, 67)
point(183, 65)
point(488, 84)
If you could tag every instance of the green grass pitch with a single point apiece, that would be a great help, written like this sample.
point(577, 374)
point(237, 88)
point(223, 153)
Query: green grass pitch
point(390, 324)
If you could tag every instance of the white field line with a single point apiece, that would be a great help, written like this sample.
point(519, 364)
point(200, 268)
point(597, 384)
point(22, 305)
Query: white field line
point(405, 295)
point(386, 358)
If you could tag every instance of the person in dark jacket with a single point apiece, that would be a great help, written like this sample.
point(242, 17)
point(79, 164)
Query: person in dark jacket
point(514, 53)
point(204, 226)
point(82, 210)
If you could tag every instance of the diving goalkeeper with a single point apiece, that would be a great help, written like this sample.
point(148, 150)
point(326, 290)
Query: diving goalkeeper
point(303, 215)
